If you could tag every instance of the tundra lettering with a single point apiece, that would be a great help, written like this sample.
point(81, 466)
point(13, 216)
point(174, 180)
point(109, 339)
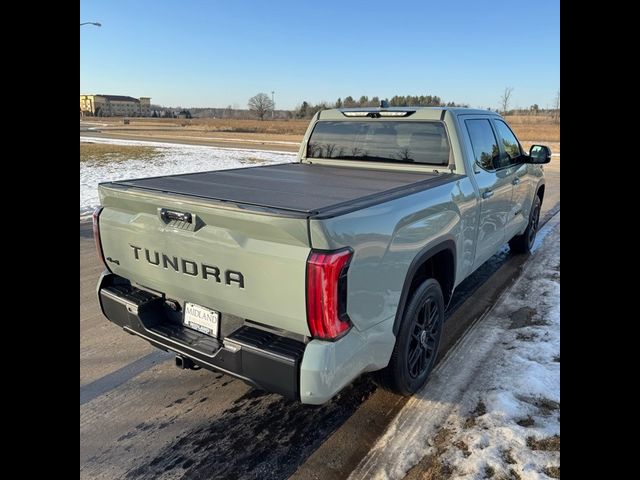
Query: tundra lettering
point(166, 261)
point(188, 267)
point(194, 268)
point(234, 277)
point(156, 258)
point(209, 270)
point(353, 251)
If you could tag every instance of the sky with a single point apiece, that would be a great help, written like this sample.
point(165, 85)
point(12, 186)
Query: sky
point(216, 53)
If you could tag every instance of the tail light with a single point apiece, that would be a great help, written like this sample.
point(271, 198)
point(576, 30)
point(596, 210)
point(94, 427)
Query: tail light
point(96, 235)
point(327, 293)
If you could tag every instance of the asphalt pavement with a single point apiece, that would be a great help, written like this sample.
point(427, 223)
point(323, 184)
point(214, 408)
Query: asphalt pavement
point(141, 417)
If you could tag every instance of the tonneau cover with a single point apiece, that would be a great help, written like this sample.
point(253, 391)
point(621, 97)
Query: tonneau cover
point(295, 187)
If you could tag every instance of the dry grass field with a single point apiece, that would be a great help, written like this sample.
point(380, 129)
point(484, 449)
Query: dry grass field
point(209, 125)
point(535, 128)
point(99, 152)
point(273, 134)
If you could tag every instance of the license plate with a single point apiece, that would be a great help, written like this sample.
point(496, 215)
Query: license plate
point(202, 319)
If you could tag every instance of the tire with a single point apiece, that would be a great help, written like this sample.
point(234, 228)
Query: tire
point(523, 243)
point(416, 347)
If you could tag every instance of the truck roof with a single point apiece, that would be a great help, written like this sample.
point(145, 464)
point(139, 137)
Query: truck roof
point(419, 113)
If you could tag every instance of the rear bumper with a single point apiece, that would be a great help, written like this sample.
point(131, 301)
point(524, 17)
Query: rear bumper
point(328, 367)
point(263, 359)
point(312, 373)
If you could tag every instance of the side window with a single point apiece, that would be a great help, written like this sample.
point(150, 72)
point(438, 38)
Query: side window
point(509, 144)
point(484, 143)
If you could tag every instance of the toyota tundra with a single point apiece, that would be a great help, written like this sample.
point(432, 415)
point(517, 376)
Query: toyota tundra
point(299, 277)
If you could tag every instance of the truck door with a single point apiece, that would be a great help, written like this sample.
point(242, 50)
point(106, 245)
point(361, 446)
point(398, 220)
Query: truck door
point(513, 161)
point(494, 184)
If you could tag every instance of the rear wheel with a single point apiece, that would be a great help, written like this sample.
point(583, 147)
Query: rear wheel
point(523, 243)
point(414, 354)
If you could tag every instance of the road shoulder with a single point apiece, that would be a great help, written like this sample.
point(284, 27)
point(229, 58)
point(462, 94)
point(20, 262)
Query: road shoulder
point(492, 406)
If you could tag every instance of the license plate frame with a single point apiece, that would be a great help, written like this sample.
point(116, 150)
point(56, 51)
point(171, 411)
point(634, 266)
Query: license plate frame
point(201, 319)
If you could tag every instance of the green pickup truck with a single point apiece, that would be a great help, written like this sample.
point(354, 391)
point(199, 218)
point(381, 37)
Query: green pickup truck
point(299, 277)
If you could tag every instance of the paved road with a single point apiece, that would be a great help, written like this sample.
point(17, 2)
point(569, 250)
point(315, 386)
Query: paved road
point(140, 417)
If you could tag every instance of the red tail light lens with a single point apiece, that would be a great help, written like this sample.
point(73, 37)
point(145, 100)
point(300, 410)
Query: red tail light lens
point(96, 235)
point(327, 293)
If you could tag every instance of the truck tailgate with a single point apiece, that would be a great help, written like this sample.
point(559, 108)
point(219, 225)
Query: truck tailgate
point(240, 263)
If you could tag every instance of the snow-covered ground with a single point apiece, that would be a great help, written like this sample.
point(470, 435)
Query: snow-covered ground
point(170, 158)
point(492, 406)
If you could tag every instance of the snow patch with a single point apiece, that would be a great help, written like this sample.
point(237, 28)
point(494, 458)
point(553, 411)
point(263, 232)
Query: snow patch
point(171, 158)
point(497, 391)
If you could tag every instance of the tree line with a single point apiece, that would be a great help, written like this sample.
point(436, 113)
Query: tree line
point(262, 106)
point(307, 110)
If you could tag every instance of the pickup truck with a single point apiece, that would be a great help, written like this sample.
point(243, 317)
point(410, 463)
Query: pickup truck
point(297, 278)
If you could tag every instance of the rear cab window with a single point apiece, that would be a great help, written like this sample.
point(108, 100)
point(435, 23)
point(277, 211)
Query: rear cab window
point(381, 140)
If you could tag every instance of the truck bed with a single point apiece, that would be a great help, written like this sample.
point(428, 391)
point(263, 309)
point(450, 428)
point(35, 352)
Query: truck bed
point(297, 189)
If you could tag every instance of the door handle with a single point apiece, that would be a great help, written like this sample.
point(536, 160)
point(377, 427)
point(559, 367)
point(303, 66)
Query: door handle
point(169, 215)
point(516, 181)
point(487, 194)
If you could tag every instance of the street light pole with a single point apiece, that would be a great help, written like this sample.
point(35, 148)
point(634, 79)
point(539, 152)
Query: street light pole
point(273, 105)
point(97, 24)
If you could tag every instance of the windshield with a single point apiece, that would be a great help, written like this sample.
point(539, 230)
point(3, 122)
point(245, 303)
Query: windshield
point(380, 140)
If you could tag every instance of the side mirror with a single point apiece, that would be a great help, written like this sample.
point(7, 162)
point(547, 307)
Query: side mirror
point(539, 154)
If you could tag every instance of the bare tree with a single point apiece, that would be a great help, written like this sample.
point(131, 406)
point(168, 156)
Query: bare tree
point(505, 99)
point(404, 154)
point(556, 108)
point(260, 105)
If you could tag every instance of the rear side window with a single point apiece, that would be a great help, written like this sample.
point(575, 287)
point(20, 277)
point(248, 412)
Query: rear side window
point(484, 143)
point(509, 143)
point(380, 140)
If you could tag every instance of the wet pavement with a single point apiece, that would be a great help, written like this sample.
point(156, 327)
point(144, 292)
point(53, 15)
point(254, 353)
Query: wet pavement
point(140, 417)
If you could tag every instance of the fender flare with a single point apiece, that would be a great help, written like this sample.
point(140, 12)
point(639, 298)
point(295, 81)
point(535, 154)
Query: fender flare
point(540, 184)
point(420, 259)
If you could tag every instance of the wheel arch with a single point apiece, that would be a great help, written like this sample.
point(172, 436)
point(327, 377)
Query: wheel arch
point(540, 187)
point(434, 261)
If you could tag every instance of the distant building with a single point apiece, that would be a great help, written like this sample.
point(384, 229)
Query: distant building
point(101, 105)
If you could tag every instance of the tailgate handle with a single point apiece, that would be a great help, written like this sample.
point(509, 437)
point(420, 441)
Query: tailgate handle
point(169, 215)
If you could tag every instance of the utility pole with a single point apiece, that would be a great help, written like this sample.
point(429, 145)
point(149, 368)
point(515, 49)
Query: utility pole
point(97, 24)
point(273, 105)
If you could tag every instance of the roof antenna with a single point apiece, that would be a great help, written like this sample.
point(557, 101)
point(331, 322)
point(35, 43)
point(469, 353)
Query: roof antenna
point(384, 104)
